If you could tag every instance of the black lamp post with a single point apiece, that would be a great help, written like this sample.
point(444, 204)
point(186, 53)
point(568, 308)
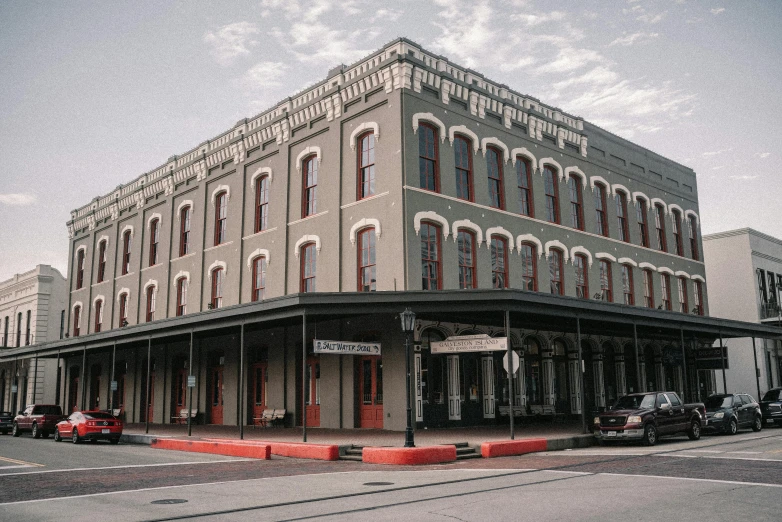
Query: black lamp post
point(408, 323)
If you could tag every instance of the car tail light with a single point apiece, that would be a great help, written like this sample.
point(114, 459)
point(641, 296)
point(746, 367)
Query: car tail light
point(90, 423)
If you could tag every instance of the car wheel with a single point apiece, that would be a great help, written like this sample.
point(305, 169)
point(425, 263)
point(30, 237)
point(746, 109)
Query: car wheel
point(45, 434)
point(650, 435)
point(733, 427)
point(57, 437)
point(75, 436)
point(114, 441)
point(694, 432)
point(15, 430)
point(36, 433)
point(758, 424)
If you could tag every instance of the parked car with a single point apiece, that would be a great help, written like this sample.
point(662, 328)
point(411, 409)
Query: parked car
point(645, 417)
point(89, 425)
point(6, 422)
point(38, 419)
point(771, 407)
point(729, 412)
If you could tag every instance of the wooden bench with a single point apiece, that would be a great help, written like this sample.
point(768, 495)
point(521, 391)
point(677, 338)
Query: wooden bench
point(518, 411)
point(266, 417)
point(279, 418)
point(184, 414)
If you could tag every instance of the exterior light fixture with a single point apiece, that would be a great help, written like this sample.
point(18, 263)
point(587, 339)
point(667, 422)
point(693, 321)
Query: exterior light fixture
point(408, 324)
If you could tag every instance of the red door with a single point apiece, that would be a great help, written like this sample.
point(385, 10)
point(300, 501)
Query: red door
point(258, 380)
point(312, 387)
point(371, 392)
point(73, 391)
point(94, 402)
point(179, 393)
point(216, 394)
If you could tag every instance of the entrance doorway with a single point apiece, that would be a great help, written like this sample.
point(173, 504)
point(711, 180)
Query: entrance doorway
point(370, 392)
point(73, 389)
point(179, 386)
point(312, 388)
point(216, 394)
point(259, 378)
point(148, 411)
point(94, 402)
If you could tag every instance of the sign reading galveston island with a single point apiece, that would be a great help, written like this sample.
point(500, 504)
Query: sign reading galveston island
point(345, 348)
point(470, 343)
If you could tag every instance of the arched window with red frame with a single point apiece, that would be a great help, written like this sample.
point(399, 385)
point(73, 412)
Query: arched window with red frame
point(367, 261)
point(463, 162)
point(694, 238)
point(665, 291)
point(366, 165)
point(606, 281)
point(499, 262)
point(643, 226)
point(259, 278)
point(648, 288)
point(431, 269)
point(524, 182)
point(529, 267)
point(80, 268)
point(101, 261)
point(154, 240)
point(601, 219)
point(552, 194)
point(261, 203)
point(125, 252)
point(628, 287)
point(576, 202)
point(465, 243)
point(621, 216)
point(309, 199)
point(659, 225)
point(677, 232)
point(494, 169)
point(184, 231)
point(217, 287)
point(98, 315)
point(221, 217)
point(684, 306)
point(123, 309)
point(556, 274)
point(308, 258)
point(76, 322)
point(151, 298)
point(427, 158)
point(582, 276)
point(181, 296)
point(698, 296)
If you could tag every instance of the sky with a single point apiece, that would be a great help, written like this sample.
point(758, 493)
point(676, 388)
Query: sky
point(94, 94)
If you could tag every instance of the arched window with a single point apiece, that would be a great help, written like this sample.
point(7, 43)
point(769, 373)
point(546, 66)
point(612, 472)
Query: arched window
point(463, 161)
point(499, 262)
point(101, 261)
point(533, 369)
point(698, 296)
point(576, 202)
point(677, 232)
point(123, 309)
point(309, 200)
point(648, 288)
point(582, 276)
point(627, 284)
point(694, 237)
point(154, 238)
point(431, 271)
point(529, 267)
point(217, 288)
point(366, 165)
point(621, 216)
point(601, 219)
point(76, 321)
point(98, 315)
point(80, 268)
point(684, 306)
point(125, 252)
point(308, 267)
point(494, 168)
point(221, 217)
point(555, 272)
point(427, 158)
point(259, 278)
point(606, 281)
point(151, 297)
point(19, 328)
point(261, 203)
point(367, 274)
point(552, 194)
point(466, 246)
point(643, 227)
point(27, 329)
point(665, 290)
point(184, 231)
point(659, 224)
point(181, 296)
point(524, 181)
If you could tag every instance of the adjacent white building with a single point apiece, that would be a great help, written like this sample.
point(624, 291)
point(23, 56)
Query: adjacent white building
point(744, 270)
point(32, 311)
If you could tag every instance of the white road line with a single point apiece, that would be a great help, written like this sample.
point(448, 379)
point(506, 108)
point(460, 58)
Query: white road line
point(16, 467)
point(678, 455)
point(123, 467)
point(702, 451)
point(715, 481)
point(747, 452)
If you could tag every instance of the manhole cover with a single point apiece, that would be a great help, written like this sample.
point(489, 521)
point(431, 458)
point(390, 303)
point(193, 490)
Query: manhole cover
point(169, 501)
point(378, 483)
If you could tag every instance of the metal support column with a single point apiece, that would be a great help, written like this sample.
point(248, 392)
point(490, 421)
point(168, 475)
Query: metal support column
point(58, 387)
point(722, 363)
point(35, 379)
point(638, 377)
point(111, 381)
point(242, 414)
point(304, 375)
point(684, 364)
point(190, 389)
point(84, 379)
point(146, 398)
point(757, 371)
point(510, 375)
point(581, 376)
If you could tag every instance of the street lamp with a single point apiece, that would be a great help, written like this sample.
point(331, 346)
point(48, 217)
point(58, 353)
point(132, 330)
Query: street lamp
point(408, 323)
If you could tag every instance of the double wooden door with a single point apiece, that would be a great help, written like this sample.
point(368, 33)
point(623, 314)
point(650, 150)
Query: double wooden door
point(258, 380)
point(312, 392)
point(216, 395)
point(370, 392)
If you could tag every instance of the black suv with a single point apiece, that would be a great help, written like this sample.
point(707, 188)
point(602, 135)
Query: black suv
point(727, 412)
point(771, 406)
point(6, 421)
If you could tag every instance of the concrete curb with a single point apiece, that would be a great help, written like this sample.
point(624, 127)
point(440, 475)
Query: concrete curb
point(299, 450)
point(409, 456)
point(253, 451)
point(504, 448)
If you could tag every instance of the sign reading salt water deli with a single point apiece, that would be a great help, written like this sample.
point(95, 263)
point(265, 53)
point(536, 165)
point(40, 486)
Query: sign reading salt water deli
point(345, 348)
point(470, 343)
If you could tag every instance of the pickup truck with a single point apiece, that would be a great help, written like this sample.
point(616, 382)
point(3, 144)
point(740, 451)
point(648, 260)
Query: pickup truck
point(39, 419)
point(647, 416)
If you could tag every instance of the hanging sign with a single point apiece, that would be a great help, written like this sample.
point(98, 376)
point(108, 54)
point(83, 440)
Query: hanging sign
point(191, 381)
point(708, 358)
point(470, 343)
point(345, 347)
point(113, 386)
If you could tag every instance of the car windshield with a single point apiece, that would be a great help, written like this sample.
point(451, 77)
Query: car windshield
point(771, 395)
point(97, 415)
point(634, 402)
point(717, 402)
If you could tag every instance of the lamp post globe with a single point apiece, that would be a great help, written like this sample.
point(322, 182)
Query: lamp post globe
point(408, 324)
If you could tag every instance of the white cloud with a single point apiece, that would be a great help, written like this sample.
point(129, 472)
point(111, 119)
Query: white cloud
point(652, 19)
point(264, 74)
point(231, 41)
point(762, 155)
point(630, 39)
point(19, 200)
point(743, 177)
point(538, 19)
point(716, 152)
point(386, 15)
point(717, 10)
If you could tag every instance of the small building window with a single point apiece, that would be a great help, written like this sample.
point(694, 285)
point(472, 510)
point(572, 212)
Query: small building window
point(76, 321)
point(431, 271)
point(677, 232)
point(648, 289)
point(27, 328)
point(582, 276)
point(665, 290)
point(463, 161)
point(576, 202)
point(217, 288)
point(555, 272)
point(684, 306)
point(98, 315)
point(659, 224)
point(499, 262)
point(606, 281)
point(101, 261)
point(125, 252)
point(466, 246)
point(151, 303)
point(524, 181)
point(181, 296)
point(80, 269)
point(184, 231)
point(427, 158)
point(262, 203)
point(154, 239)
point(494, 168)
point(698, 296)
point(309, 199)
point(601, 219)
point(643, 227)
point(259, 278)
point(621, 217)
point(529, 267)
point(627, 285)
point(221, 216)
point(19, 329)
point(366, 165)
point(367, 269)
point(308, 267)
point(694, 238)
point(123, 309)
point(552, 194)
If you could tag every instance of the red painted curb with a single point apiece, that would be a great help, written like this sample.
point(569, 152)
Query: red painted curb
point(504, 448)
point(299, 450)
point(253, 451)
point(408, 456)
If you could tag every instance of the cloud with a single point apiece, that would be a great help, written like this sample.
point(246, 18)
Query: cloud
point(18, 200)
point(538, 19)
point(762, 155)
point(743, 177)
point(717, 10)
point(264, 75)
point(569, 59)
point(630, 39)
point(231, 41)
point(386, 15)
point(716, 152)
point(652, 19)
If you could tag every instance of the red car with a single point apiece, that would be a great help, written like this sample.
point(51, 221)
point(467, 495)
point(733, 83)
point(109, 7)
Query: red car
point(89, 425)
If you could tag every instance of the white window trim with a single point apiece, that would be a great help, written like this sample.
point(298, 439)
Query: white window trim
point(641, 195)
point(151, 282)
point(363, 223)
point(469, 225)
point(263, 171)
point(485, 142)
point(123, 291)
point(627, 261)
point(682, 273)
point(522, 151)
point(258, 252)
point(647, 265)
point(152, 217)
point(499, 231)
point(183, 205)
point(578, 172)
point(689, 213)
point(221, 188)
point(698, 278)
point(104, 238)
point(581, 250)
point(82, 247)
point(98, 298)
point(655, 201)
point(599, 179)
point(217, 264)
point(429, 118)
point(553, 163)
point(555, 243)
point(306, 239)
point(73, 311)
point(616, 187)
point(369, 125)
point(665, 270)
point(529, 238)
point(606, 256)
point(431, 216)
point(179, 276)
point(461, 129)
